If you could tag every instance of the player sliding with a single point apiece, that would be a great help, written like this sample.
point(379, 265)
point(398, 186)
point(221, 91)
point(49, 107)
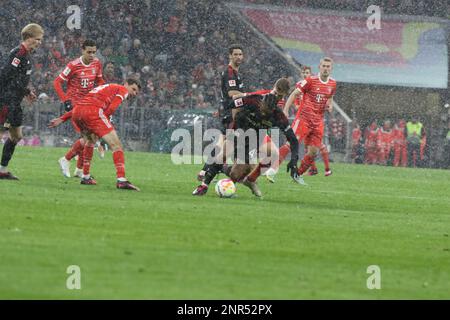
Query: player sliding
point(318, 92)
point(82, 75)
point(91, 114)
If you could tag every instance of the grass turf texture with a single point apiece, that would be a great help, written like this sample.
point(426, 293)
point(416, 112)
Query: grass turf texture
point(298, 242)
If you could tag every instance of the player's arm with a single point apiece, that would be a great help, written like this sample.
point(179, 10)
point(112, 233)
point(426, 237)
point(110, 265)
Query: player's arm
point(329, 105)
point(57, 121)
point(58, 85)
point(115, 103)
point(294, 94)
point(245, 94)
point(99, 78)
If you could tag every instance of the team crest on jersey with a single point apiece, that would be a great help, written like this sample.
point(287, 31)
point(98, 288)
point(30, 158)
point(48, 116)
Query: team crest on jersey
point(93, 71)
point(15, 62)
point(238, 102)
point(232, 83)
point(82, 73)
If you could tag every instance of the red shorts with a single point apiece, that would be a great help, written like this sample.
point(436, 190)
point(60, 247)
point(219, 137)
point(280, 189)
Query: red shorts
point(91, 120)
point(310, 134)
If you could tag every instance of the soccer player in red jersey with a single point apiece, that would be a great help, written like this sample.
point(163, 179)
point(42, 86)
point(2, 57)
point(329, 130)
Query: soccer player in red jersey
point(318, 92)
point(306, 72)
point(82, 75)
point(91, 115)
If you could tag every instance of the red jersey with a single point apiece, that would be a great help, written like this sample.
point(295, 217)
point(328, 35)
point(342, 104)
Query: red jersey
point(399, 134)
point(386, 139)
point(372, 137)
point(81, 78)
point(356, 136)
point(315, 96)
point(102, 97)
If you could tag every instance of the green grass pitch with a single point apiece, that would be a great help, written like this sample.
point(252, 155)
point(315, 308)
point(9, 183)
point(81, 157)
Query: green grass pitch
point(312, 242)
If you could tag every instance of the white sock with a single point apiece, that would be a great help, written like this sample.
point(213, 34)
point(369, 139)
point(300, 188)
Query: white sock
point(121, 179)
point(86, 176)
point(3, 169)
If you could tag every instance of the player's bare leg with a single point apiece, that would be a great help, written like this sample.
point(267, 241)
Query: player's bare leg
point(15, 135)
point(243, 170)
point(119, 161)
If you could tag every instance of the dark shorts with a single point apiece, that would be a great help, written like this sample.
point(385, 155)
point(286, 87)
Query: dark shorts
point(11, 115)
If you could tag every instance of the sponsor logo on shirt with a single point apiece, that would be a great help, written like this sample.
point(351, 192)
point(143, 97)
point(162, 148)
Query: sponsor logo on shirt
point(15, 62)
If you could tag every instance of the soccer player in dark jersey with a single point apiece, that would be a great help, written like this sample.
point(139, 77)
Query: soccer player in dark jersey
point(15, 76)
point(82, 75)
point(261, 112)
point(258, 112)
point(231, 84)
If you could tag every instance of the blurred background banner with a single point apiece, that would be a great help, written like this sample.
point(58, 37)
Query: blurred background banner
point(405, 51)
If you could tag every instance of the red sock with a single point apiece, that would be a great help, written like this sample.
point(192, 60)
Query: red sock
point(283, 152)
point(87, 152)
point(313, 166)
point(119, 162)
point(257, 172)
point(306, 163)
point(76, 148)
point(326, 160)
point(80, 160)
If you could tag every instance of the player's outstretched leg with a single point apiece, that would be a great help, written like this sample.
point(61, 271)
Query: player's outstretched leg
point(119, 161)
point(211, 171)
point(273, 170)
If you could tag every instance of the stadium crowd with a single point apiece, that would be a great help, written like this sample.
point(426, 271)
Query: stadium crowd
point(177, 55)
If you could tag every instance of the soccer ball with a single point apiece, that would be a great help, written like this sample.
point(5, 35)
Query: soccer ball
point(225, 188)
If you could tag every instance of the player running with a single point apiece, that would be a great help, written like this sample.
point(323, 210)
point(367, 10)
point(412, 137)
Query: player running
point(91, 115)
point(318, 92)
point(82, 75)
point(15, 75)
